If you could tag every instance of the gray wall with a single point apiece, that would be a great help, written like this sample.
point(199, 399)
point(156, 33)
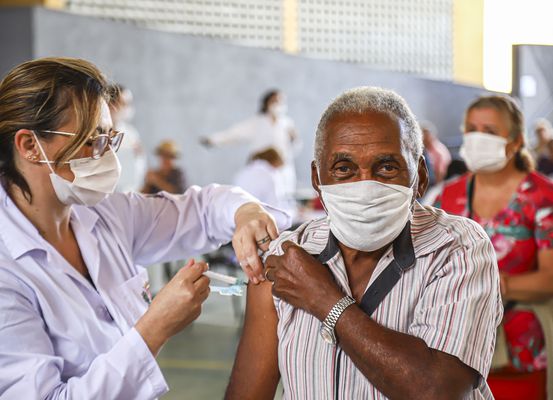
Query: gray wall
point(187, 86)
point(536, 63)
point(16, 40)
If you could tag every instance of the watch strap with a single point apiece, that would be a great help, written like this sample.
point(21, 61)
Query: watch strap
point(336, 311)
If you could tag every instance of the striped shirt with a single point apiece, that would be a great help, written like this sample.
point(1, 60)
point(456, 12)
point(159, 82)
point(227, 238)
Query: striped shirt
point(449, 298)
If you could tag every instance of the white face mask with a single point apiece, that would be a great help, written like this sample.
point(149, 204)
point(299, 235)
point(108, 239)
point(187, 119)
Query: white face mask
point(278, 109)
point(94, 179)
point(484, 152)
point(367, 215)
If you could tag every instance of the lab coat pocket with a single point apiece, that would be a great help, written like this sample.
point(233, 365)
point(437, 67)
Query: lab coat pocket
point(133, 297)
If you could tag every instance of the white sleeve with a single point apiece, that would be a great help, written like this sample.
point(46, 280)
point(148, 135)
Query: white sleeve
point(166, 227)
point(239, 132)
point(31, 370)
point(297, 144)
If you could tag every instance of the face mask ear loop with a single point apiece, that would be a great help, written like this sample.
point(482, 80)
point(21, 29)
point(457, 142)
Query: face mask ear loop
point(47, 162)
point(321, 194)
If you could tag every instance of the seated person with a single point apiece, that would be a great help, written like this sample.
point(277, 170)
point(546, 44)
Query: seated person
point(263, 178)
point(321, 328)
point(169, 177)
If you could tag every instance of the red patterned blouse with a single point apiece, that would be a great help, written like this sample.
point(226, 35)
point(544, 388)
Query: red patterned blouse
point(517, 232)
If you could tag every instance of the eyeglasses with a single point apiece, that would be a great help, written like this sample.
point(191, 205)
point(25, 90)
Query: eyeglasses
point(100, 143)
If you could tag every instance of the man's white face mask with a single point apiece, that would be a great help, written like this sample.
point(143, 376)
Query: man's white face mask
point(484, 152)
point(367, 215)
point(94, 179)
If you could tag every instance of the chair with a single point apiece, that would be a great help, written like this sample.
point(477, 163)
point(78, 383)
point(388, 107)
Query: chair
point(544, 313)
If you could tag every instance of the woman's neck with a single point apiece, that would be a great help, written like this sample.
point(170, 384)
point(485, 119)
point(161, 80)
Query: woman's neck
point(46, 212)
point(500, 178)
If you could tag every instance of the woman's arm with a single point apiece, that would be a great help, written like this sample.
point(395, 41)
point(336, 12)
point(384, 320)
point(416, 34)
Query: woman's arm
point(167, 227)
point(532, 286)
point(239, 132)
point(31, 369)
point(255, 374)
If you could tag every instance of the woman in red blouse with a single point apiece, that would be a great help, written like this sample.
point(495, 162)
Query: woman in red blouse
point(514, 205)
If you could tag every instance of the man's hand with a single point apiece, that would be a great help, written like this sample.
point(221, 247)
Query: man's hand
point(302, 281)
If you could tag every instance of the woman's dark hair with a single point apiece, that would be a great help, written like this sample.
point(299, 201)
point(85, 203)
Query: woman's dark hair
point(44, 94)
point(509, 108)
point(265, 99)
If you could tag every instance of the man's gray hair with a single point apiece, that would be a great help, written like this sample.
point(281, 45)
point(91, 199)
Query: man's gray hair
point(366, 99)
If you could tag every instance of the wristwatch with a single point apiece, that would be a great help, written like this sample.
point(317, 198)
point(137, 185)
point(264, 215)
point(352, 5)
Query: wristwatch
point(327, 326)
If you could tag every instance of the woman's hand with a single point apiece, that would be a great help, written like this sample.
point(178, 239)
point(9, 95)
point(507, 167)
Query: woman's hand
point(175, 306)
point(255, 228)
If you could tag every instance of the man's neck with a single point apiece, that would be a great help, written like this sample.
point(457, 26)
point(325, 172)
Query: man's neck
point(355, 257)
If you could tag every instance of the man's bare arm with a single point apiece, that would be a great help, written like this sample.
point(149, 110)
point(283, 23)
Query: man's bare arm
point(255, 374)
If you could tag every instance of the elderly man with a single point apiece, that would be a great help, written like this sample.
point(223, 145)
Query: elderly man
point(384, 298)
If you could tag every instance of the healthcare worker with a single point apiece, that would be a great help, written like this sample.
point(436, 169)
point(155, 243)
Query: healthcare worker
point(75, 315)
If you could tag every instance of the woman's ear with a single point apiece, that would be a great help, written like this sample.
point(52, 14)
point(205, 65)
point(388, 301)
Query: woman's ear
point(515, 146)
point(25, 146)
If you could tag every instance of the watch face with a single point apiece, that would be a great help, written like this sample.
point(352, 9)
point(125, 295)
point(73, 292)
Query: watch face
point(327, 335)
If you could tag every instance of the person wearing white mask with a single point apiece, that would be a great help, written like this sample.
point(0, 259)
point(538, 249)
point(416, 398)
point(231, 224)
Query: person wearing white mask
point(384, 298)
point(131, 154)
point(76, 317)
point(271, 127)
point(514, 205)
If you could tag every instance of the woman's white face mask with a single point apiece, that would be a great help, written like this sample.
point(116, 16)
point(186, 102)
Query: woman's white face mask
point(484, 152)
point(94, 179)
point(367, 215)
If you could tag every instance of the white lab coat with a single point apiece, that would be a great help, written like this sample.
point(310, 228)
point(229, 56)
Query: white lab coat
point(63, 338)
point(261, 132)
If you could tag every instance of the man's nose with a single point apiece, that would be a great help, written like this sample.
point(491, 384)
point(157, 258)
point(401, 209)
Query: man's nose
point(365, 175)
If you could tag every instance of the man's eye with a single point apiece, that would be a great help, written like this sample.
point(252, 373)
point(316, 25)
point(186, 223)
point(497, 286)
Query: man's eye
point(343, 169)
point(388, 170)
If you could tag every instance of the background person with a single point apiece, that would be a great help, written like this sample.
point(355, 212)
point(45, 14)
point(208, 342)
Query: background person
point(271, 127)
point(131, 152)
point(262, 177)
point(543, 134)
point(439, 155)
point(75, 318)
point(514, 206)
point(168, 177)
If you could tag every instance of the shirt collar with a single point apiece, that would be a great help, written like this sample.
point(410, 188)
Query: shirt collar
point(426, 236)
point(18, 233)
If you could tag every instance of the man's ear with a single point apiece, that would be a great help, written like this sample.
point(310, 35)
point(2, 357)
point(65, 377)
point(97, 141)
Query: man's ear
point(423, 178)
point(315, 178)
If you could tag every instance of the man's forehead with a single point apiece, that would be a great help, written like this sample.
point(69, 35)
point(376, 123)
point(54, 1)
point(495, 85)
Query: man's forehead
point(370, 129)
